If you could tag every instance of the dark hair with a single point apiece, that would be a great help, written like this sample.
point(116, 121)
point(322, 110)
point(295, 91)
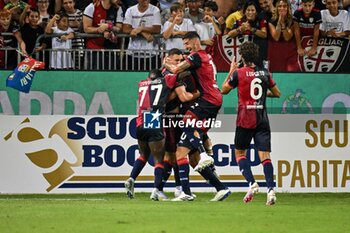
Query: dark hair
point(63, 14)
point(34, 9)
point(174, 51)
point(249, 52)
point(155, 73)
point(191, 35)
point(304, 1)
point(175, 7)
point(247, 4)
point(245, 7)
point(211, 5)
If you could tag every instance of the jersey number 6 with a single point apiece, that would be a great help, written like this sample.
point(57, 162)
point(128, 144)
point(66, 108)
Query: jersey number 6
point(256, 90)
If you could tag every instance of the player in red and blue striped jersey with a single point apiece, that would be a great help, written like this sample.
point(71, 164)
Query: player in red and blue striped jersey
point(152, 98)
point(202, 68)
point(254, 84)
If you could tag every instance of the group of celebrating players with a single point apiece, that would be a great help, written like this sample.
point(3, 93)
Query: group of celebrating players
point(186, 87)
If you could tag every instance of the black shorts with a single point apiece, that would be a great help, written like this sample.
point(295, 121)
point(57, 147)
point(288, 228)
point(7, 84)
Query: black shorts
point(262, 138)
point(204, 110)
point(172, 137)
point(149, 135)
point(184, 142)
point(201, 110)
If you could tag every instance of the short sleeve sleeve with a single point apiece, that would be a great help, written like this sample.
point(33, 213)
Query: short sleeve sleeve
point(233, 81)
point(89, 11)
point(195, 60)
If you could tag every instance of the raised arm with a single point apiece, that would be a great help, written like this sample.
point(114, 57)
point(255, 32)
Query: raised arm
point(48, 29)
point(24, 15)
point(226, 87)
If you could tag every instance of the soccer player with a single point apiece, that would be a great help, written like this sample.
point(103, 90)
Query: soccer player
point(202, 68)
point(172, 134)
point(254, 85)
point(153, 95)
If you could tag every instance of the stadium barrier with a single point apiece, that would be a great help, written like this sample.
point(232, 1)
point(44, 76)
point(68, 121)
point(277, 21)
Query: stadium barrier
point(75, 133)
point(332, 55)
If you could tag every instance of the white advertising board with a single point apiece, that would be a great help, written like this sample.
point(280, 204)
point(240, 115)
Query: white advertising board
point(92, 154)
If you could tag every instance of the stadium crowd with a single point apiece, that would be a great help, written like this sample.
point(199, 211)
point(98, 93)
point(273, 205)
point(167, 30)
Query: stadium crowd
point(151, 25)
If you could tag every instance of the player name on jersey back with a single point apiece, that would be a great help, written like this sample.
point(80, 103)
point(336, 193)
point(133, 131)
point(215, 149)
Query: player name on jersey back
point(255, 73)
point(150, 82)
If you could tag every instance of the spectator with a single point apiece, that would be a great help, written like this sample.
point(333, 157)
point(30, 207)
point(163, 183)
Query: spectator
point(8, 60)
point(233, 18)
point(60, 59)
point(164, 6)
point(54, 5)
point(281, 31)
point(176, 26)
point(32, 30)
point(75, 18)
point(281, 22)
point(267, 9)
point(141, 22)
point(103, 17)
point(249, 24)
point(209, 27)
point(193, 11)
point(253, 28)
point(43, 6)
point(335, 22)
point(307, 23)
point(16, 7)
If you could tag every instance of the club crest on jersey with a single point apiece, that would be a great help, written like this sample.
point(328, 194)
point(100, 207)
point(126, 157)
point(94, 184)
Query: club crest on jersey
point(331, 53)
point(152, 120)
point(229, 47)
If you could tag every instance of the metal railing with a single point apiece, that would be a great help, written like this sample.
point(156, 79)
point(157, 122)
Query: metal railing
point(120, 59)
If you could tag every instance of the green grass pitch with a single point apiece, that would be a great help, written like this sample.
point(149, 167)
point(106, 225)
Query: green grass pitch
point(100, 213)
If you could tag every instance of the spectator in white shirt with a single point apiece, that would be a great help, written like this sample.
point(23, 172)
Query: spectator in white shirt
point(209, 27)
point(142, 21)
point(59, 58)
point(335, 22)
point(176, 26)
